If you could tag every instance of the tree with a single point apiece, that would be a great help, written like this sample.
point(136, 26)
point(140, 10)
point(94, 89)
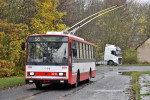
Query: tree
point(47, 18)
point(12, 37)
point(17, 11)
point(68, 6)
point(117, 27)
point(2, 9)
point(140, 23)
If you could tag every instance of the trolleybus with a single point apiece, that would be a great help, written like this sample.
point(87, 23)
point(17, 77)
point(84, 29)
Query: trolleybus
point(56, 57)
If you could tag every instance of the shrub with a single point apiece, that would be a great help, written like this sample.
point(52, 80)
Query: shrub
point(130, 56)
point(19, 71)
point(6, 68)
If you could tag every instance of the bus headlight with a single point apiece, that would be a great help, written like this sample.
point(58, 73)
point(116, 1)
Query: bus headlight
point(31, 73)
point(62, 74)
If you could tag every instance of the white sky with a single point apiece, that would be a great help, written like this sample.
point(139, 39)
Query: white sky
point(140, 1)
point(143, 1)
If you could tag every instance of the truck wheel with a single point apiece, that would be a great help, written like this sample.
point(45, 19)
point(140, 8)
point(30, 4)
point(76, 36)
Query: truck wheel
point(110, 63)
point(38, 85)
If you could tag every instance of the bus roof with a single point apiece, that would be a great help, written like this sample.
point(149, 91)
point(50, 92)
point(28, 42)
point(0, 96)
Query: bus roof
point(64, 34)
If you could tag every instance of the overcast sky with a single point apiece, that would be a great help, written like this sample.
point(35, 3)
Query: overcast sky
point(143, 1)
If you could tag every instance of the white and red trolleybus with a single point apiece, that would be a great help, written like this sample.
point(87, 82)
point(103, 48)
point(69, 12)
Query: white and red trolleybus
point(58, 58)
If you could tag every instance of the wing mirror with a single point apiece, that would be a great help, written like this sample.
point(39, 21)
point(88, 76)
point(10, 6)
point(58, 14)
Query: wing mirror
point(23, 45)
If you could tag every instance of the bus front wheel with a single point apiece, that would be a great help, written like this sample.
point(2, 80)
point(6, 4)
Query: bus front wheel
point(38, 85)
point(77, 81)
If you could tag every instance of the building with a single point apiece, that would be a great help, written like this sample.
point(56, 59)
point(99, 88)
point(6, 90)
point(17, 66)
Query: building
point(143, 52)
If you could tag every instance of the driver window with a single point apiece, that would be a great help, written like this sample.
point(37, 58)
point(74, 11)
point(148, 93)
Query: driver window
point(113, 53)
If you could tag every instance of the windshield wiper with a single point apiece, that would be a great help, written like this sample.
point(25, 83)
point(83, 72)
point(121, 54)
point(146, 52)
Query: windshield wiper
point(35, 63)
point(56, 63)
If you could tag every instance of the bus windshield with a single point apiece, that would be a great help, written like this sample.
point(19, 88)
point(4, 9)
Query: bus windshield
point(47, 51)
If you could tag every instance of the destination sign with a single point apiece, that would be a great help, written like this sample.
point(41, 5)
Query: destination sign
point(47, 38)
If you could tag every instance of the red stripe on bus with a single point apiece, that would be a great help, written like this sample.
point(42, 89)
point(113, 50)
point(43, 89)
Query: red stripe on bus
point(83, 76)
point(93, 73)
point(46, 74)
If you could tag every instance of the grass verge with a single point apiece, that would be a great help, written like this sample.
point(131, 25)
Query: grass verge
point(11, 81)
point(136, 86)
point(146, 94)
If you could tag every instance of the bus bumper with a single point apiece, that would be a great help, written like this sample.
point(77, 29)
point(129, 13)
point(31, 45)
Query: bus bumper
point(47, 81)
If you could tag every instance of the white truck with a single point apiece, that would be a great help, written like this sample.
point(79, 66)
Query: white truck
point(112, 55)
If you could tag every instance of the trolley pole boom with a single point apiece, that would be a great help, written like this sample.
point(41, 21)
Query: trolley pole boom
point(90, 18)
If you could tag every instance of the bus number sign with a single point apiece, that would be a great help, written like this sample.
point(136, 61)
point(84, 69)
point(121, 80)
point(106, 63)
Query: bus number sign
point(37, 39)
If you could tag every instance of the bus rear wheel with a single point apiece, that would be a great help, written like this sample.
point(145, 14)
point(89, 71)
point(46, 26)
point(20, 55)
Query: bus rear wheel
point(88, 80)
point(38, 85)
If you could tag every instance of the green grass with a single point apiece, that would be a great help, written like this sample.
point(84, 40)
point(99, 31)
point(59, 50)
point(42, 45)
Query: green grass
point(146, 85)
point(146, 94)
point(11, 81)
point(146, 72)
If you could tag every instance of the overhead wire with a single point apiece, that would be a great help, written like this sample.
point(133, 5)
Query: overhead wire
point(90, 18)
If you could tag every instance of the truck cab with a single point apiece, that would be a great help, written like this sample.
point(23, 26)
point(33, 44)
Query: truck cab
point(112, 55)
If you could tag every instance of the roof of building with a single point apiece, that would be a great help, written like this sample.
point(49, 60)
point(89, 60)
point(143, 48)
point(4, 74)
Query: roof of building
point(142, 43)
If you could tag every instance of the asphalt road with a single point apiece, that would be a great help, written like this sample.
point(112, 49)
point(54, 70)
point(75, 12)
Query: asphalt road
point(108, 84)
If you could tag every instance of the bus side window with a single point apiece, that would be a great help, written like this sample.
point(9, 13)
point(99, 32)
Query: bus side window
point(74, 49)
point(78, 50)
point(93, 52)
point(81, 56)
point(84, 52)
point(90, 51)
point(87, 51)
